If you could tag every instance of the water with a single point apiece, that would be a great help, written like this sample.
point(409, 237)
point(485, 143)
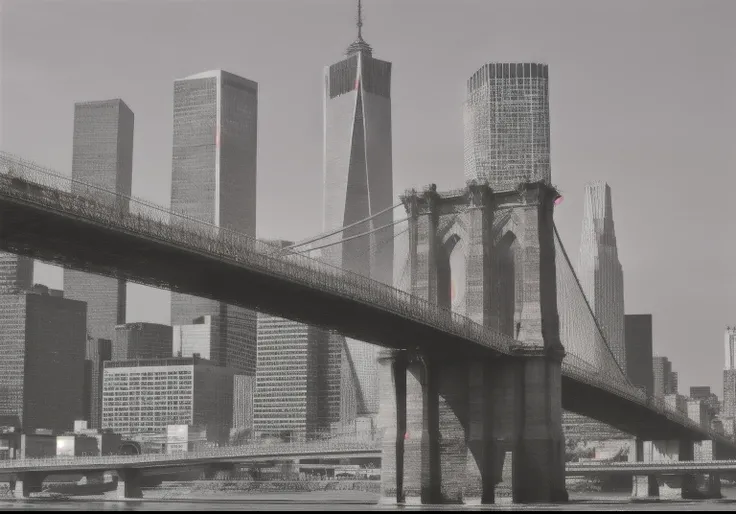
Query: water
point(354, 500)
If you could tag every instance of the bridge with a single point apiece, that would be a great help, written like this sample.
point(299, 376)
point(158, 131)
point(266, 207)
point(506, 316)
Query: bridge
point(463, 388)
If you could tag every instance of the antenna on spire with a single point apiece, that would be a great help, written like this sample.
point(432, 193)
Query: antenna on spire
point(360, 19)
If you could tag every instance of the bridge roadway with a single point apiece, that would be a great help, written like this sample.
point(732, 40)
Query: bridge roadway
point(157, 463)
point(95, 231)
point(152, 464)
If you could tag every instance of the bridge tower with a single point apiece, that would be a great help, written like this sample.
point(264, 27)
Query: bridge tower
point(458, 427)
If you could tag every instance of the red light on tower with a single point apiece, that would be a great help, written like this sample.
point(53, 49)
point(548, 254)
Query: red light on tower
point(558, 200)
point(357, 83)
point(406, 436)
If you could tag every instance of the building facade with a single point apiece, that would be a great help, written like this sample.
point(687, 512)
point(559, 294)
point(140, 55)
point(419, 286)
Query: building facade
point(142, 341)
point(506, 117)
point(146, 396)
point(42, 353)
point(102, 156)
point(600, 273)
point(298, 392)
point(730, 348)
point(214, 181)
point(663, 377)
point(244, 388)
point(638, 335)
point(16, 273)
point(358, 183)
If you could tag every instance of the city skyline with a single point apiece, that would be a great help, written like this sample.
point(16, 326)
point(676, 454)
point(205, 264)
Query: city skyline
point(568, 149)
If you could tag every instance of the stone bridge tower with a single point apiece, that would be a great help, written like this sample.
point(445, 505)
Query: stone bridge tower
point(458, 427)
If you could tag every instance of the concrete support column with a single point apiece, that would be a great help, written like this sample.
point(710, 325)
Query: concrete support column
point(27, 483)
point(689, 485)
point(129, 483)
point(708, 484)
point(392, 423)
point(643, 486)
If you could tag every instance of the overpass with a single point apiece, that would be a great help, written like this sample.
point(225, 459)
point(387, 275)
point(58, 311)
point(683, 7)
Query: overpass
point(428, 346)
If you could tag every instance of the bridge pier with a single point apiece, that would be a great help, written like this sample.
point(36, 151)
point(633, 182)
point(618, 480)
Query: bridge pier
point(28, 482)
point(708, 484)
point(643, 487)
point(129, 483)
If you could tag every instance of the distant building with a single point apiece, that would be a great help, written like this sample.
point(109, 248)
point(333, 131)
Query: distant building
point(298, 381)
point(697, 411)
point(710, 399)
point(145, 396)
point(730, 348)
point(674, 383)
point(729, 393)
point(506, 116)
point(601, 275)
point(664, 381)
point(638, 337)
point(98, 352)
point(16, 273)
point(42, 353)
point(142, 341)
point(214, 181)
point(102, 155)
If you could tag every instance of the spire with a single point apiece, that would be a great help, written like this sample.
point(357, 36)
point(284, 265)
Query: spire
point(359, 45)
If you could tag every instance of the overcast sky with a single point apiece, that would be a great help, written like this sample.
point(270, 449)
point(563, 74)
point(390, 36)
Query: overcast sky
point(642, 96)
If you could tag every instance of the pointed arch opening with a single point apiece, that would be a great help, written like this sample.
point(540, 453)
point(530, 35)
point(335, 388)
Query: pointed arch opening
point(507, 285)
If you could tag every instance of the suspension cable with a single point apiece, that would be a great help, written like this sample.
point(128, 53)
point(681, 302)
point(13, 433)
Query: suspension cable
point(340, 241)
point(342, 229)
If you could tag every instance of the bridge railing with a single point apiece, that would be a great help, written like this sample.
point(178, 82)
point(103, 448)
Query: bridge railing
point(96, 204)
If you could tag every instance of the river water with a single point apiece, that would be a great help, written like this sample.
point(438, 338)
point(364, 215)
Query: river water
point(355, 500)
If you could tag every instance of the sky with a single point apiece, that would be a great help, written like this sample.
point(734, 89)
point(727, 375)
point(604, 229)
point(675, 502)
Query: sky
point(641, 96)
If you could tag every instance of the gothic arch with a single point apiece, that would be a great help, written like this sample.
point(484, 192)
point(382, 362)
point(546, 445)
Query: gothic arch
point(451, 258)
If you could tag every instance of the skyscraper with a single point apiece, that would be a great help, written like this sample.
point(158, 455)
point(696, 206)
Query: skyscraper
point(42, 351)
point(102, 156)
point(214, 180)
point(358, 182)
point(638, 337)
point(98, 352)
point(599, 270)
point(730, 348)
point(665, 380)
point(506, 116)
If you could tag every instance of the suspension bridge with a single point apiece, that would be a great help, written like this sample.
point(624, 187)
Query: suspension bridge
point(466, 374)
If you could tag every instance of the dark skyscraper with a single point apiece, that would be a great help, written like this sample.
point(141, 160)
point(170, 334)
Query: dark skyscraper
point(99, 351)
point(214, 180)
point(102, 156)
point(358, 182)
point(638, 336)
point(142, 341)
point(16, 273)
point(42, 359)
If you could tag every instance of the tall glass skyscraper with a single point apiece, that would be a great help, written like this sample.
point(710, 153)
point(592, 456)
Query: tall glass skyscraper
point(214, 180)
point(599, 270)
point(102, 156)
point(506, 116)
point(358, 182)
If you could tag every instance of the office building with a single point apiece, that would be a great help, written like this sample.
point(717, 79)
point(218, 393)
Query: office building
point(42, 352)
point(214, 181)
point(506, 114)
point(145, 396)
point(102, 156)
point(729, 393)
point(298, 386)
point(98, 351)
point(665, 380)
point(638, 336)
point(142, 341)
point(600, 273)
point(358, 183)
point(710, 399)
point(16, 273)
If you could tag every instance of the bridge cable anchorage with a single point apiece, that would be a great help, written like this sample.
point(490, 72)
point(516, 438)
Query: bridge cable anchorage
point(342, 229)
point(341, 241)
